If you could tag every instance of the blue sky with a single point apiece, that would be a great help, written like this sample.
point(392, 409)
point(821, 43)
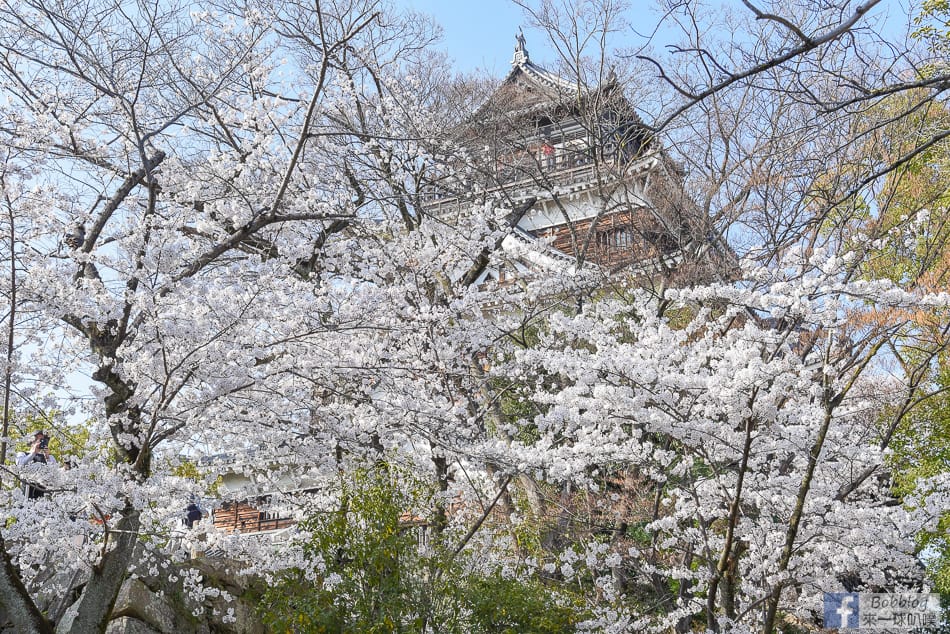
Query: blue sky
point(480, 34)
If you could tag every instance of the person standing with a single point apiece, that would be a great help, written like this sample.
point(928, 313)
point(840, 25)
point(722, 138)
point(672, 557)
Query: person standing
point(193, 514)
point(38, 454)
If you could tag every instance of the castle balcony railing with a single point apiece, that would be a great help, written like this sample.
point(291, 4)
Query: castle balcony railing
point(583, 175)
point(241, 517)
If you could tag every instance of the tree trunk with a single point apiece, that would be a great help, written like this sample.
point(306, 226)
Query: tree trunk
point(441, 519)
point(100, 593)
point(102, 589)
point(16, 600)
point(11, 332)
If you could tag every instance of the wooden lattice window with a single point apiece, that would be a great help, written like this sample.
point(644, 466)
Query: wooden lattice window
point(615, 238)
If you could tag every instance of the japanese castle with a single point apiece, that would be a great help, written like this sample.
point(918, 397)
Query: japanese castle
point(588, 184)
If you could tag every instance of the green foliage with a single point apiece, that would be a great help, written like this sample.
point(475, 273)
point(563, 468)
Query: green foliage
point(921, 450)
point(65, 442)
point(639, 534)
point(516, 406)
point(375, 576)
point(933, 25)
point(190, 470)
point(907, 216)
point(511, 606)
point(907, 219)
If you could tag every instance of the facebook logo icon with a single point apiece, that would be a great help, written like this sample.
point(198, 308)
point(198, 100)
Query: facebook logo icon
point(841, 609)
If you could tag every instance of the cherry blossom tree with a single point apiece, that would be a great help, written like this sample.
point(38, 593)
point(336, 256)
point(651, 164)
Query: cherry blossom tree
point(224, 218)
point(774, 131)
point(183, 173)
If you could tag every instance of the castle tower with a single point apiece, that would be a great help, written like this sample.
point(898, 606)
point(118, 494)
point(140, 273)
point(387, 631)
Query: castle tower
point(588, 183)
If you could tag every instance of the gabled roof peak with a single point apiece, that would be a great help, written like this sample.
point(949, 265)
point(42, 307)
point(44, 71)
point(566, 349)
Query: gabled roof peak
point(526, 86)
point(521, 52)
point(521, 65)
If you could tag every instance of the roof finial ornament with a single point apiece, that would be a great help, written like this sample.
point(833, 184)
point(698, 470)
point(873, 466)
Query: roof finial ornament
point(521, 53)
